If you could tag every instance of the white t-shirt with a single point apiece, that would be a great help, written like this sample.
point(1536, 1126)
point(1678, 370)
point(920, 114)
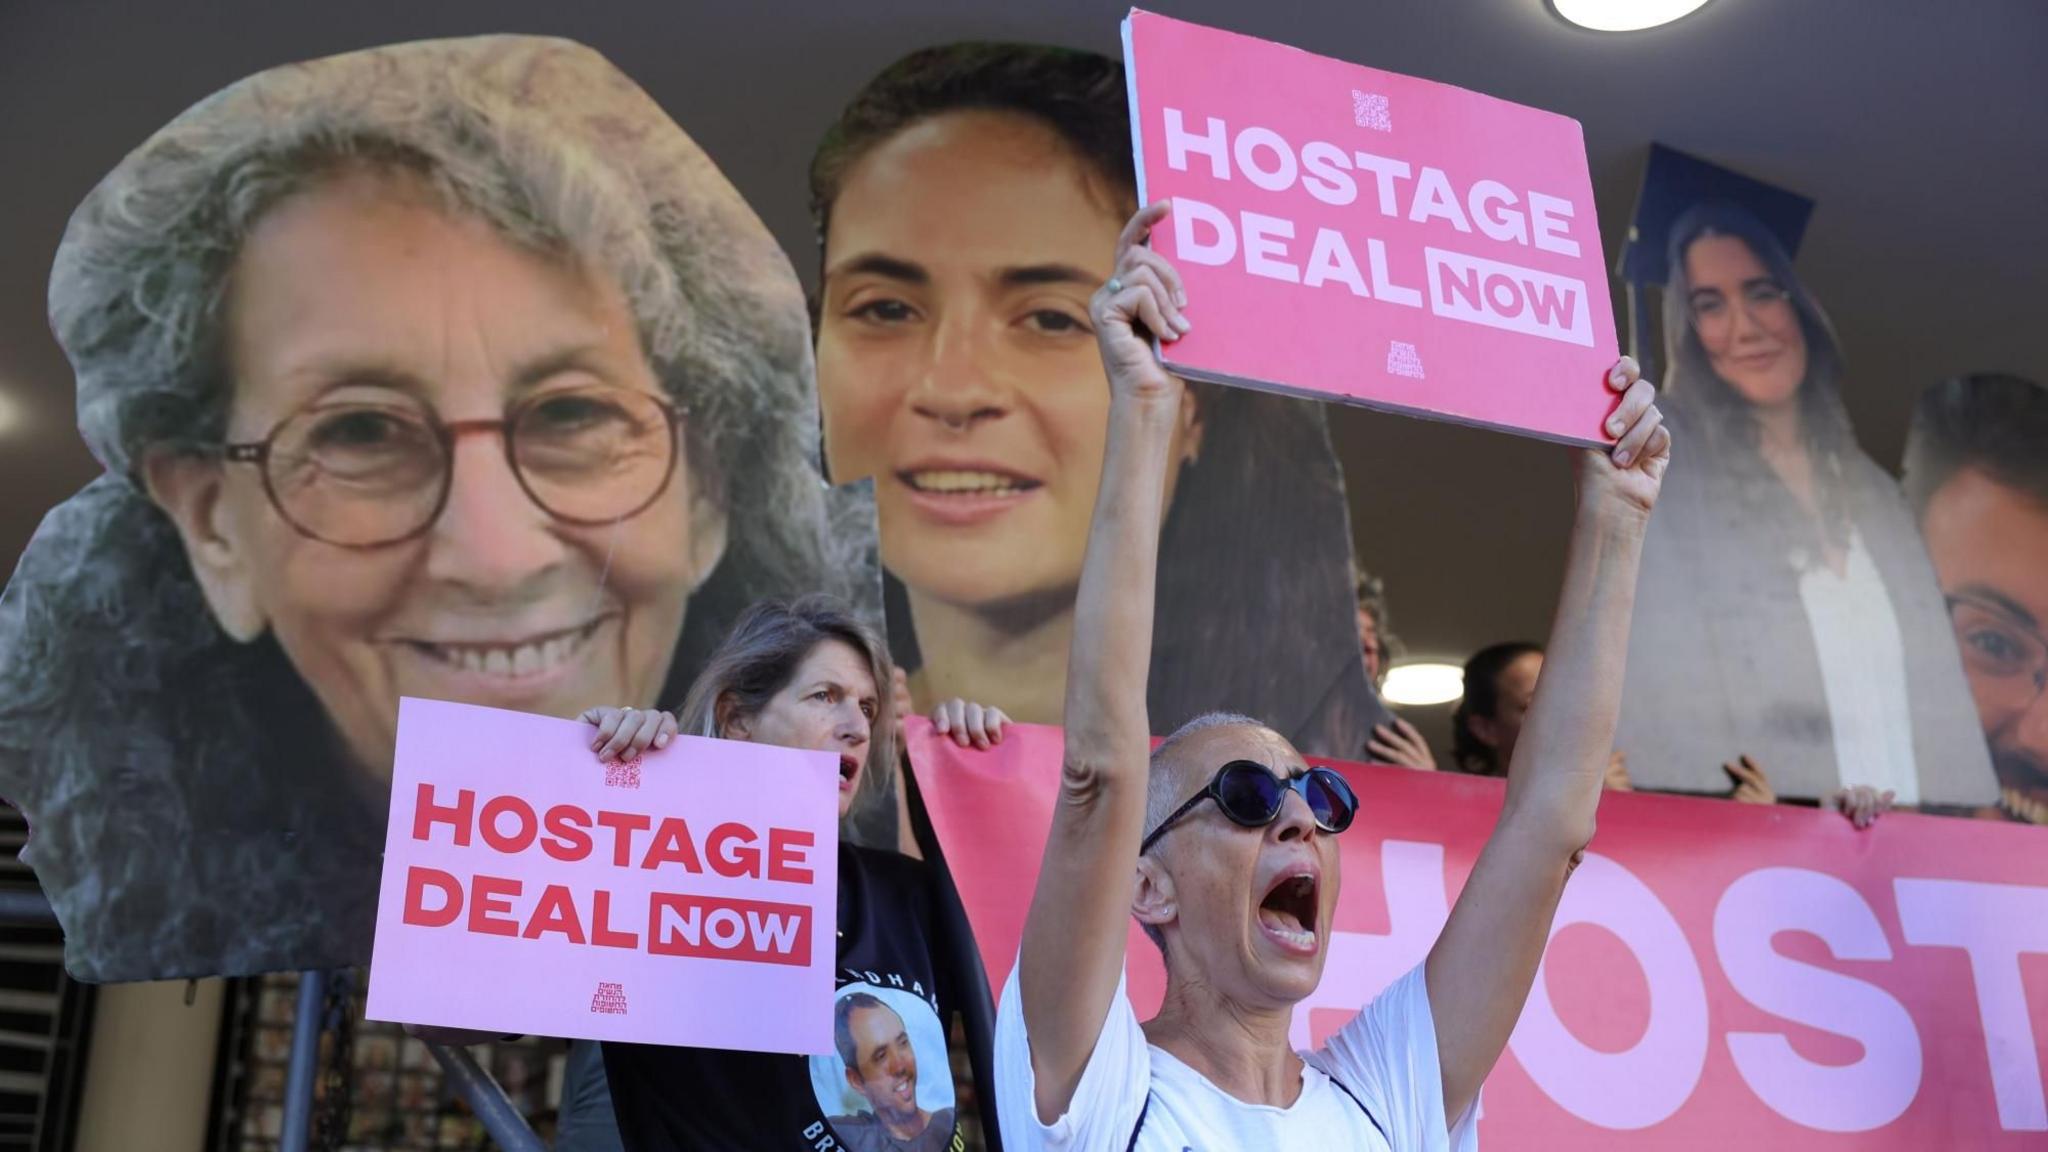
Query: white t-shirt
point(1863, 672)
point(1375, 1087)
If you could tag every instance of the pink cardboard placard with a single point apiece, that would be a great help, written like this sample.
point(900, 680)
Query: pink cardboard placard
point(688, 897)
point(1354, 235)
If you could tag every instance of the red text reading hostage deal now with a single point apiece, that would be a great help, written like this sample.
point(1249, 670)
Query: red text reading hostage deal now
point(676, 923)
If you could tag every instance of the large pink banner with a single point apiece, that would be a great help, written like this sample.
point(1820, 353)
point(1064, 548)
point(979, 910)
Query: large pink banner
point(1720, 975)
point(1356, 235)
point(688, 897)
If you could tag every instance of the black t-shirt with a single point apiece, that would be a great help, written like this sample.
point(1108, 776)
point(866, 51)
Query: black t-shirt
point(896, 1090)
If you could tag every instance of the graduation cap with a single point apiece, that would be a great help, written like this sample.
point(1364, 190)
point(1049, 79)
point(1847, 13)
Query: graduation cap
point(1673, 183)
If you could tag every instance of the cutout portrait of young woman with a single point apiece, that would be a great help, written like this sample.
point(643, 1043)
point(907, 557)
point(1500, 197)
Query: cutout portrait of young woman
point(1789, 612)
point(968, 202)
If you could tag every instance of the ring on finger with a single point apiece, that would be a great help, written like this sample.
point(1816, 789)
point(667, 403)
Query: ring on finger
point(1115, 285)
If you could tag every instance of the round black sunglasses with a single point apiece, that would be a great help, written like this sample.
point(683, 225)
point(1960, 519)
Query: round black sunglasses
point(1251, 795)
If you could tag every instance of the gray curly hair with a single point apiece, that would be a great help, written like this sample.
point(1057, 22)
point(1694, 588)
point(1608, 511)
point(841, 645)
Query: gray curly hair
point(180, 828)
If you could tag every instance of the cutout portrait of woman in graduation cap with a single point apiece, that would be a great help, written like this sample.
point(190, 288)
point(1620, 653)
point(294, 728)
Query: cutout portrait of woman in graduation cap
point(1789, 613)
point(450, 369)
point(968, 202)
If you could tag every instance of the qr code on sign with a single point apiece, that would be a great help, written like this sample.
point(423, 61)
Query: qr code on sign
point(623, 774)
point(1372, 110)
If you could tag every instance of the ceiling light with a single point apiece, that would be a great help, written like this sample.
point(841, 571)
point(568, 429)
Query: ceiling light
point(1417, 684)
point(10, 414)
point(1623, 15)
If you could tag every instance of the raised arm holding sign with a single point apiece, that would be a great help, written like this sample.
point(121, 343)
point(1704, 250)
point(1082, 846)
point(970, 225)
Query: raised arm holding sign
point(613, 879)
point(1221, 843)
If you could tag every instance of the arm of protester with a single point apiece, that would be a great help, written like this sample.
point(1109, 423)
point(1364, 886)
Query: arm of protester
point(1397, 742)
point(1861, 803)
point(1479, 971)
point(1073, 950)
point(1617, 773)
point(623, 733)
point(1752, 785)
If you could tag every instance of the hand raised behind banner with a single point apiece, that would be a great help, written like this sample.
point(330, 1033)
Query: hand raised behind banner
point(1397, 742)
point(970, 725)
point(1752, 786)
point(1142, 299)
point(1630, 474)
point(623, 733)
point(1861, 803)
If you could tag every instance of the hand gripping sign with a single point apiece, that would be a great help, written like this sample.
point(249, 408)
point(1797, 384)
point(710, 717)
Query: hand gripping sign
point(1354, 235)
point(687, 899)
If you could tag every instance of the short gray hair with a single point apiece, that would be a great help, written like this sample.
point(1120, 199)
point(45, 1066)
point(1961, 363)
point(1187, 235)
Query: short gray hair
point(1162, 795)
point(204, 832)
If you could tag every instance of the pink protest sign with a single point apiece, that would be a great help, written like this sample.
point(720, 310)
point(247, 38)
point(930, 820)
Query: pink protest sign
point(688, 898)
point(1349, 234)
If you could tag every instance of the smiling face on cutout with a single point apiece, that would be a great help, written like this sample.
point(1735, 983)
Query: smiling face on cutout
point(1989, 544)
point(366, 289)
point(956, 362)
point(1246, 911)
point(1746, 321)
point(829, 705)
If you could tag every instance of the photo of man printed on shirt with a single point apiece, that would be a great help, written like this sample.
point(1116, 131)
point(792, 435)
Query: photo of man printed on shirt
point(887, 1086)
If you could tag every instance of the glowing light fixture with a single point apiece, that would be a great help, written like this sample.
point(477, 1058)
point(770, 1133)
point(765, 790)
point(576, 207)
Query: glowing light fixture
point(1624, 15)
point(1416, 684)
point(10, 414)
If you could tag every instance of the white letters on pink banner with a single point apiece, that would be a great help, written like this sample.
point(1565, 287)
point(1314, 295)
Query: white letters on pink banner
point(1858, 1097)
point(1662, 1068)
point(1995, 923)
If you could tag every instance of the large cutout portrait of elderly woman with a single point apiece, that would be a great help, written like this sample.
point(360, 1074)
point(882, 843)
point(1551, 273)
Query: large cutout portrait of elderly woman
point(968, 202)
point(448, 369)
point(1788, 611)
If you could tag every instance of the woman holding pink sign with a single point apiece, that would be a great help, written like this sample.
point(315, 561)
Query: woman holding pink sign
point(807, 674)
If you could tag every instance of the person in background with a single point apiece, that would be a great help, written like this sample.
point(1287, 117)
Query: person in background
point(1976, 473)
point(1500, 684)
point(1798, 619)
point(1394, 740)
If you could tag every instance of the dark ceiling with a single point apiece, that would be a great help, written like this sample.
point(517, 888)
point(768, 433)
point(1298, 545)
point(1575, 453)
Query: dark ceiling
point(1918, 128)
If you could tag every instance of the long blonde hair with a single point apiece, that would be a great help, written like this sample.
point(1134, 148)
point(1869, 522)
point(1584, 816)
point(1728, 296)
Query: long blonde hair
point(760, 656)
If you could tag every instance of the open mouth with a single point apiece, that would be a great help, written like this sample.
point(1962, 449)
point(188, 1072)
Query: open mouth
point(1288, 913)
point(849, 773)
point(967, 483)
point(906, 1090)
point(533, 657)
